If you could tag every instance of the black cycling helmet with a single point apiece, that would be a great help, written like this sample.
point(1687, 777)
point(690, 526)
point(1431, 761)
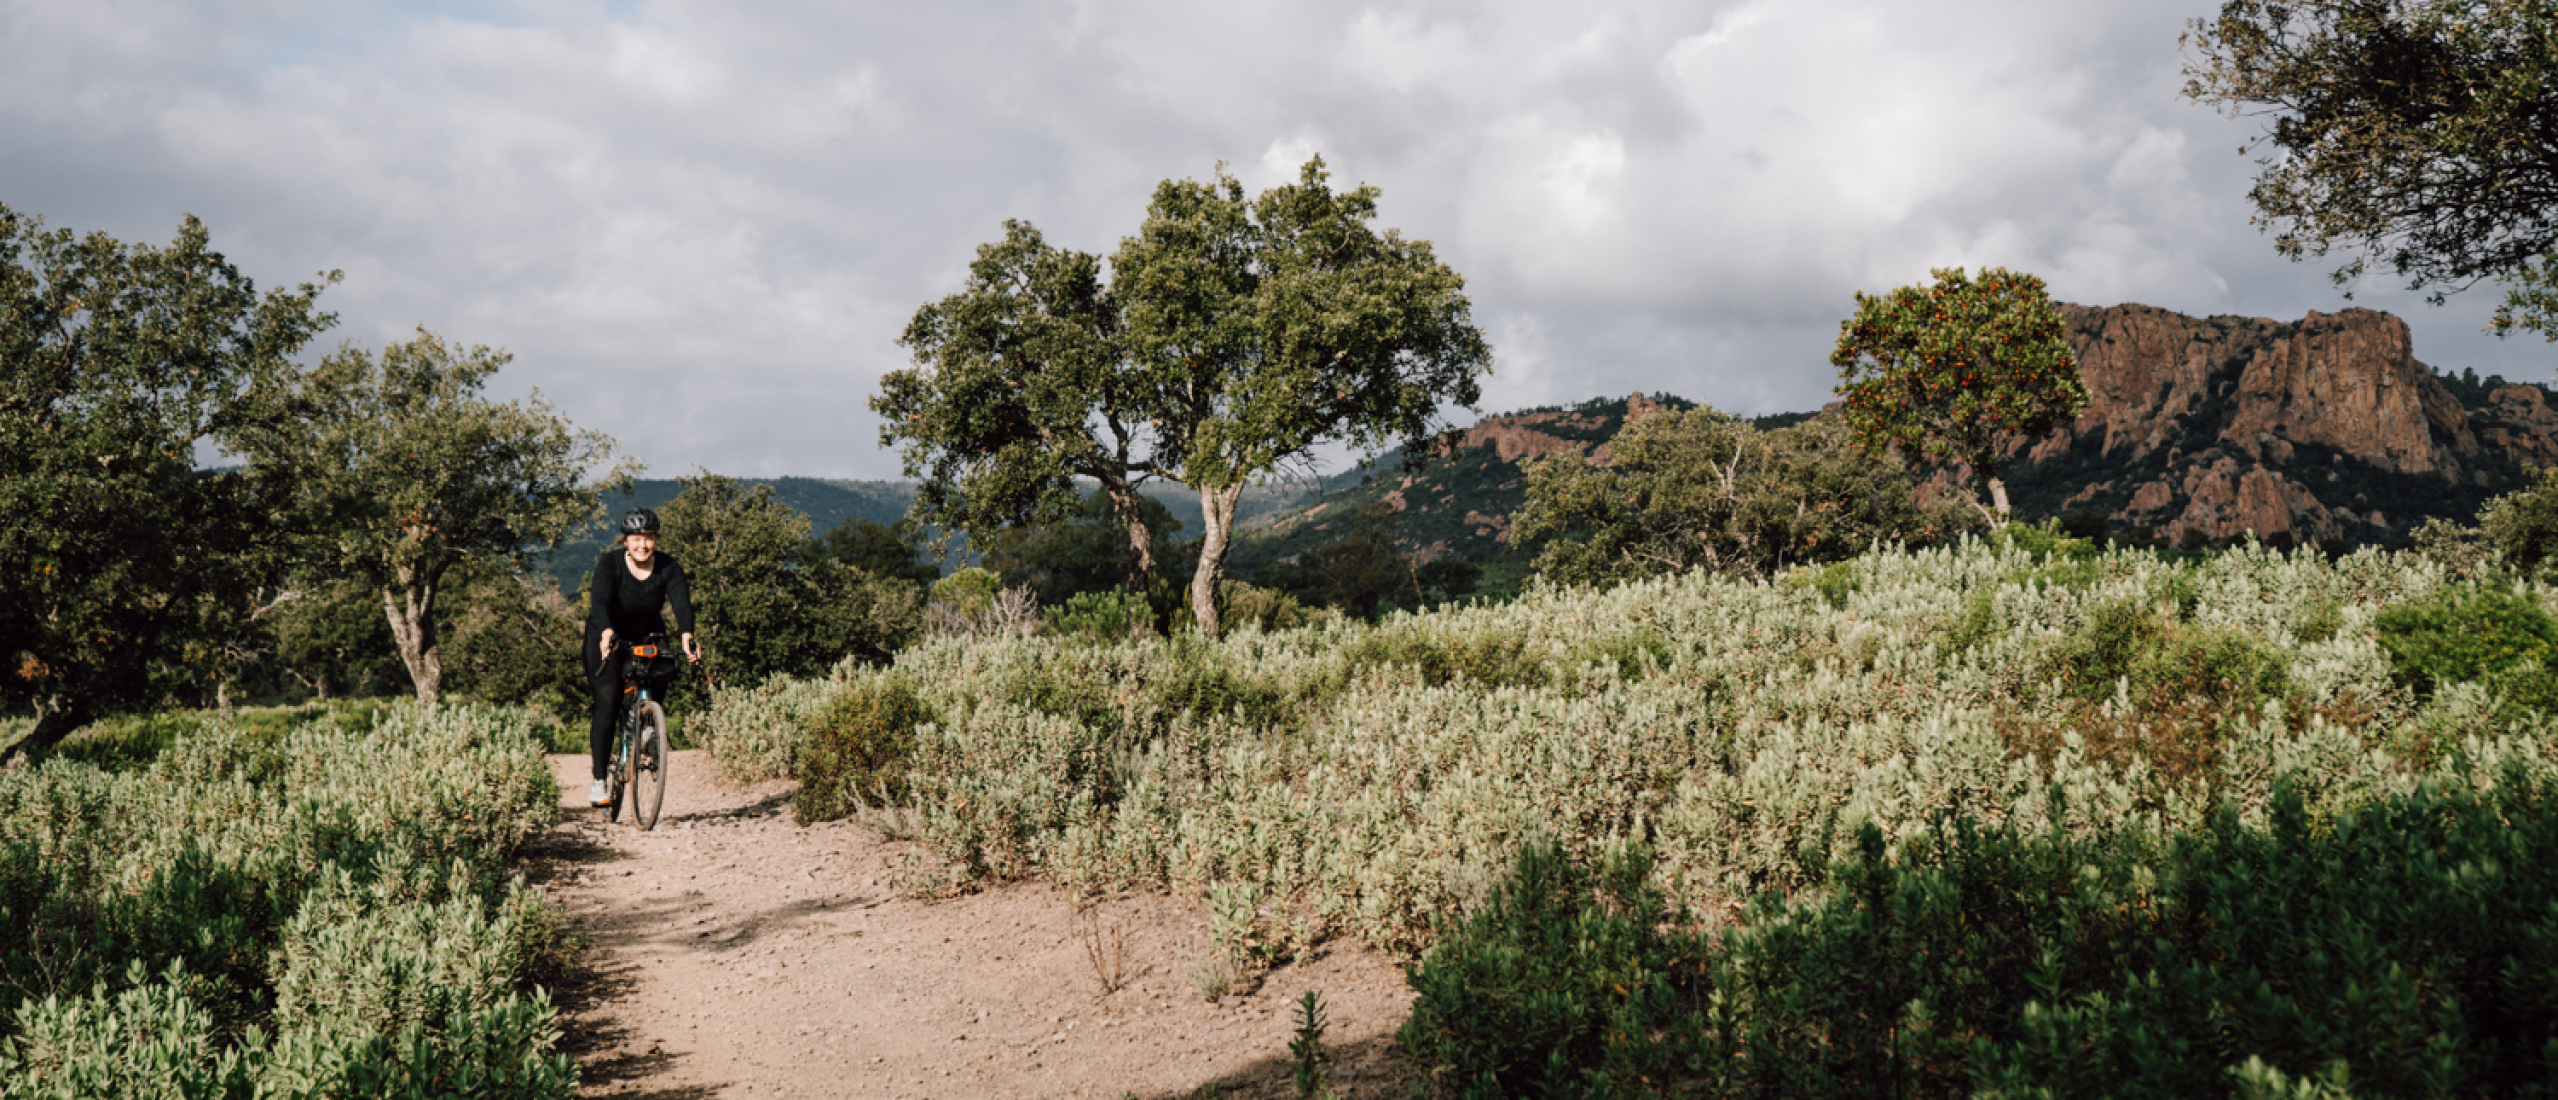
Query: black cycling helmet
point(639, 521)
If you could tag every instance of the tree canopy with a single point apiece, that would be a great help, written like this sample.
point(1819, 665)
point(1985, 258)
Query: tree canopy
point(404, 474)
point(2421, 136)
point(1702, 489)
point(123, 559)
point(1232, 336)
point(1958, 370)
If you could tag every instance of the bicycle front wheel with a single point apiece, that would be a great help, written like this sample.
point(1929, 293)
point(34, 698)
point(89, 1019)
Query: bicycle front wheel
point(648, 765)
point(618, 774)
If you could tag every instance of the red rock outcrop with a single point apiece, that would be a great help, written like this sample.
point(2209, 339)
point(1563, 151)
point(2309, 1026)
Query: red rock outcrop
point(2223, 425)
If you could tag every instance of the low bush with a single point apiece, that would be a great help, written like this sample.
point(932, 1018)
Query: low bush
point(855, 750)
point(1198, 683)
point(1489, 659)
point(1567, 982)
point(1102, 617)
point(317, 911)
point(2465, 633)
point(1369, 777)
point(2399, 950)
point(754, 733)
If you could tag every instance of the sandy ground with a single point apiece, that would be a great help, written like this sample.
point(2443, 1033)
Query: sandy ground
point(735, 954)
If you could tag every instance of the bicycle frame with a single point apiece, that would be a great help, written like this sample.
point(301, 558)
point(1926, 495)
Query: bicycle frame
point(625, 771)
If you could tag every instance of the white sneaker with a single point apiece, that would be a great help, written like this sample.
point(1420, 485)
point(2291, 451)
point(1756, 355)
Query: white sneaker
point(600, 796)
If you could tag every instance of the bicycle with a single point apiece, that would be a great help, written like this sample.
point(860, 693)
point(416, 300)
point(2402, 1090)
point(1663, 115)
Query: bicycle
point(639, 760)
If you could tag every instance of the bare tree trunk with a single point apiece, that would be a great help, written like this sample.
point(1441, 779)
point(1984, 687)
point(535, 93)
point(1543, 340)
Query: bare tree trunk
point(53, 723)
point(1124, 504)
point(1217, 509)
point(1998, 497)
point(411, 607)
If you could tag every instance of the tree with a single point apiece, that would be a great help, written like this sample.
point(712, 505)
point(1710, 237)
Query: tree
point(1958, 370)
point(405, 475)
point(122, 558)
point(1360, 572)
point(1235, 335)
point(514, 641)
point(2422, 135)
point(894, 551)
point(1704, 490)
point(763, 604)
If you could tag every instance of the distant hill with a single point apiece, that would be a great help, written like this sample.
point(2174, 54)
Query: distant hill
point(828, 502)
point(825, 501)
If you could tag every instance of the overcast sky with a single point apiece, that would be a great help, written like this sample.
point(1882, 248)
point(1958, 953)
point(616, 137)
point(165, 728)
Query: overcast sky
point(700, 226)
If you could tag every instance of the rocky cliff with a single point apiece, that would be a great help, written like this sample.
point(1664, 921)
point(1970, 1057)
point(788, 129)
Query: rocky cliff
point(2323, 431)
point(2326, 431)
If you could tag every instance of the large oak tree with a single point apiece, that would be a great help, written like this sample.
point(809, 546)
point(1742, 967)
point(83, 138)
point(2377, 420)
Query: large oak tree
point(2421, 136)
point(1229, 337)
point(123, 560)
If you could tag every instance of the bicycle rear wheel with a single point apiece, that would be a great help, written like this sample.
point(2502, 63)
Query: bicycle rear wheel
point(648, 765)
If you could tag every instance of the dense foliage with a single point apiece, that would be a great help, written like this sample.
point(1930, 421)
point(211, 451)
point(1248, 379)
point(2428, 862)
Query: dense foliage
point(317, 911)
point(127, 567)
point(1088, 552)
point(2397, 949)
point(1703, 490)
point(2416, 133)
point(1958, 370)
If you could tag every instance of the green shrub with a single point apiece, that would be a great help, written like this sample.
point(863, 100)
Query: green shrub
point(2522, 526)
point(1103, 617)
point(1489, 658)
point(1565, 983)
point(969, 591)
point(754, 733)
point(2404, 948)
point(2462, 634)
point(1266, 609)
point(856, 750)
point(1200, 684)
point(2117, 635)
point(2320, 622)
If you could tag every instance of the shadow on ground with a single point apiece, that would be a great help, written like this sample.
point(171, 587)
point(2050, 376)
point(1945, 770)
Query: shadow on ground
point(1358, 1070)
point(587, 986)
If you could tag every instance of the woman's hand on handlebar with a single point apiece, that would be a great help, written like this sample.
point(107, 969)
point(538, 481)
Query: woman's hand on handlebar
point(607, 653)
point(692, 649)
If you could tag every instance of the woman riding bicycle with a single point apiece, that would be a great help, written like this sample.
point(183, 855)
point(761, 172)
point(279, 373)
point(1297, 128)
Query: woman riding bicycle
point(632, 586)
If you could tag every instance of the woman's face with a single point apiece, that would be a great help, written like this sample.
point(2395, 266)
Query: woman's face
point(640, 547)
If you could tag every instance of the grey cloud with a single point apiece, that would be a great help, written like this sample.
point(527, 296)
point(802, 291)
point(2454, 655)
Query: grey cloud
point(701, 226)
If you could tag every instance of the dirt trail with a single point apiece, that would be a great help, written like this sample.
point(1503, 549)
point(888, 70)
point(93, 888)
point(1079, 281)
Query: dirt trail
point(737, 955)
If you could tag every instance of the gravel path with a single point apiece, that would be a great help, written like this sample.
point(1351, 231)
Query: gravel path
point(737, 955)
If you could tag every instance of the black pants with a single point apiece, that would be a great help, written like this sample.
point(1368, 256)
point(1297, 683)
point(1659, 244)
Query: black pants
point(606, 681)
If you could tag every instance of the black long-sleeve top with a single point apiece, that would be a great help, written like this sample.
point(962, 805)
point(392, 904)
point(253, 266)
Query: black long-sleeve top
point(633, 607)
